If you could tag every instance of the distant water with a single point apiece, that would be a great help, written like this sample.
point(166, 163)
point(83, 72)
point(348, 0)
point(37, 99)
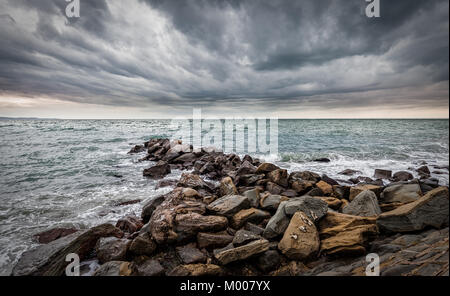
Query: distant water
point(72, 173)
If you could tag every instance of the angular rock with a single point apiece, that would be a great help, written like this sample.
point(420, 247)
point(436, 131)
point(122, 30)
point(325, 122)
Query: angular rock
point(402, 193)
point(246, 168)
point(166, 183)
point(242, 252)
point(364, 204)
point(158, 171)
point(312, 207)
point(266, 168)
point(274, 188)
point(423, 170)
point(188, 225)
point(227, 187)
point(382, 174)
point(343, 234)
point(190, 254)
point(213, 240)
point(143, 244)
point(253, 197)
point(253, 228)
point(229, 205)
point(329, 180)
point(341, 192)
point(248, 215)
point(301, 239)
point(278, 223)
point(50, 259)
point(270, 201)
point(302, 186)
point(278, 176)
point(355, 190)
point(137, 149)
point(243, 237)
point(193, 181)
point(430, 210)
point(111, 249)
point(332, 202)
point(326, 188)
point(305, 175)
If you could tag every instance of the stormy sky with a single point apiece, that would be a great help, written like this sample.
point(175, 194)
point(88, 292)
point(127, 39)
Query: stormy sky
point(160, 58)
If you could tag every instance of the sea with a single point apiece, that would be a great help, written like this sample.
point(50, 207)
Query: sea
point(74, 173)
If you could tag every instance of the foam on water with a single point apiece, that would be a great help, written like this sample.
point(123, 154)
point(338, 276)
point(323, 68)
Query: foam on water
point(73, 173)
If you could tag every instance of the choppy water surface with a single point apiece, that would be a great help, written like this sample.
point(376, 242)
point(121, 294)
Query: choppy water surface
point(75, 172)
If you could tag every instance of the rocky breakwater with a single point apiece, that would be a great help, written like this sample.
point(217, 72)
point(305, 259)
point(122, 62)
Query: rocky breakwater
point(255, 218)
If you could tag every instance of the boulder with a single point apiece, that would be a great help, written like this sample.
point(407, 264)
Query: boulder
point(326, 188)
point(268, 261)
point(253, 197)
point(227, 187)
point(382, 174)
point(143, 244)
point(197, 270)
point(158, 171)
point(429, 210)
point(341, 192)
point(301, 239)
point(343, 234)
point(53, 234)
point(248, 215)
point(278, 223)
point(270, 201)
point(315, 192)
point(114, 268)
point(251, 179)
point(243, 237)
point(129, 224)
point(137, 149)
point(149, 207)
point(246, 168)
point(355, 190)
point(242, 252)
point(364, 204)
point(188, 225)
point(322, 159)
point(185, 158)
point(50, 259)
point(190, 254)
point(111, 249)
point(193, 181)
point(332, 202)
point(266, 168)
point(302, 186)
point(305, 175)
point(278, 176)
point(229, 205)
point(402, 176)
point(402, 193)
point(314, 208)
point(213, 240)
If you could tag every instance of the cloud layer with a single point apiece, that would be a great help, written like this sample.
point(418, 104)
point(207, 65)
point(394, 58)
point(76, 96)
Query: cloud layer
point(274, 55)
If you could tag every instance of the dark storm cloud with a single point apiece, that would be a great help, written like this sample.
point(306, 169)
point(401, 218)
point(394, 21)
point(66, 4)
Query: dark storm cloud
point(194, 53)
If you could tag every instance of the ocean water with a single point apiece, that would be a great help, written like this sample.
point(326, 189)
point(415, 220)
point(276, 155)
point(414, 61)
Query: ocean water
point(73, 173)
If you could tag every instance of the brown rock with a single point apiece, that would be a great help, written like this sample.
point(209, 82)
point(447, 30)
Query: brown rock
point(301, 239)
point(346, 234)
point(326, 188)
point(229, 205)
point(159, 170)
point(248, 215)
point(302, 186)
point(143, 244)
point(190, 254)
point(355, 190)
point(242, 252)
point(382, 174)
point(213, 240)
point(227, 187)
point(129, 224)
point(333, 203)
point(111, 249)
point(278, 176)
point(266, 168)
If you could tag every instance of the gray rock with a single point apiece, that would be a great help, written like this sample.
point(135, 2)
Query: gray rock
point(314, 208)
point(403, 193)
point(270, 201)
point(190, 254)
point(382, 174)
point(242, 252)
point(243, 237)
point(229, 205)
point(268, 261)
point(278, 223)
point(431, 209)
point(111, 268)
point(364, 204)
point(149, 267)
point(50, 259)
point(403, 176)
point(253, 197)
point(148, 209)
point(112, 249)
point(159, 170)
